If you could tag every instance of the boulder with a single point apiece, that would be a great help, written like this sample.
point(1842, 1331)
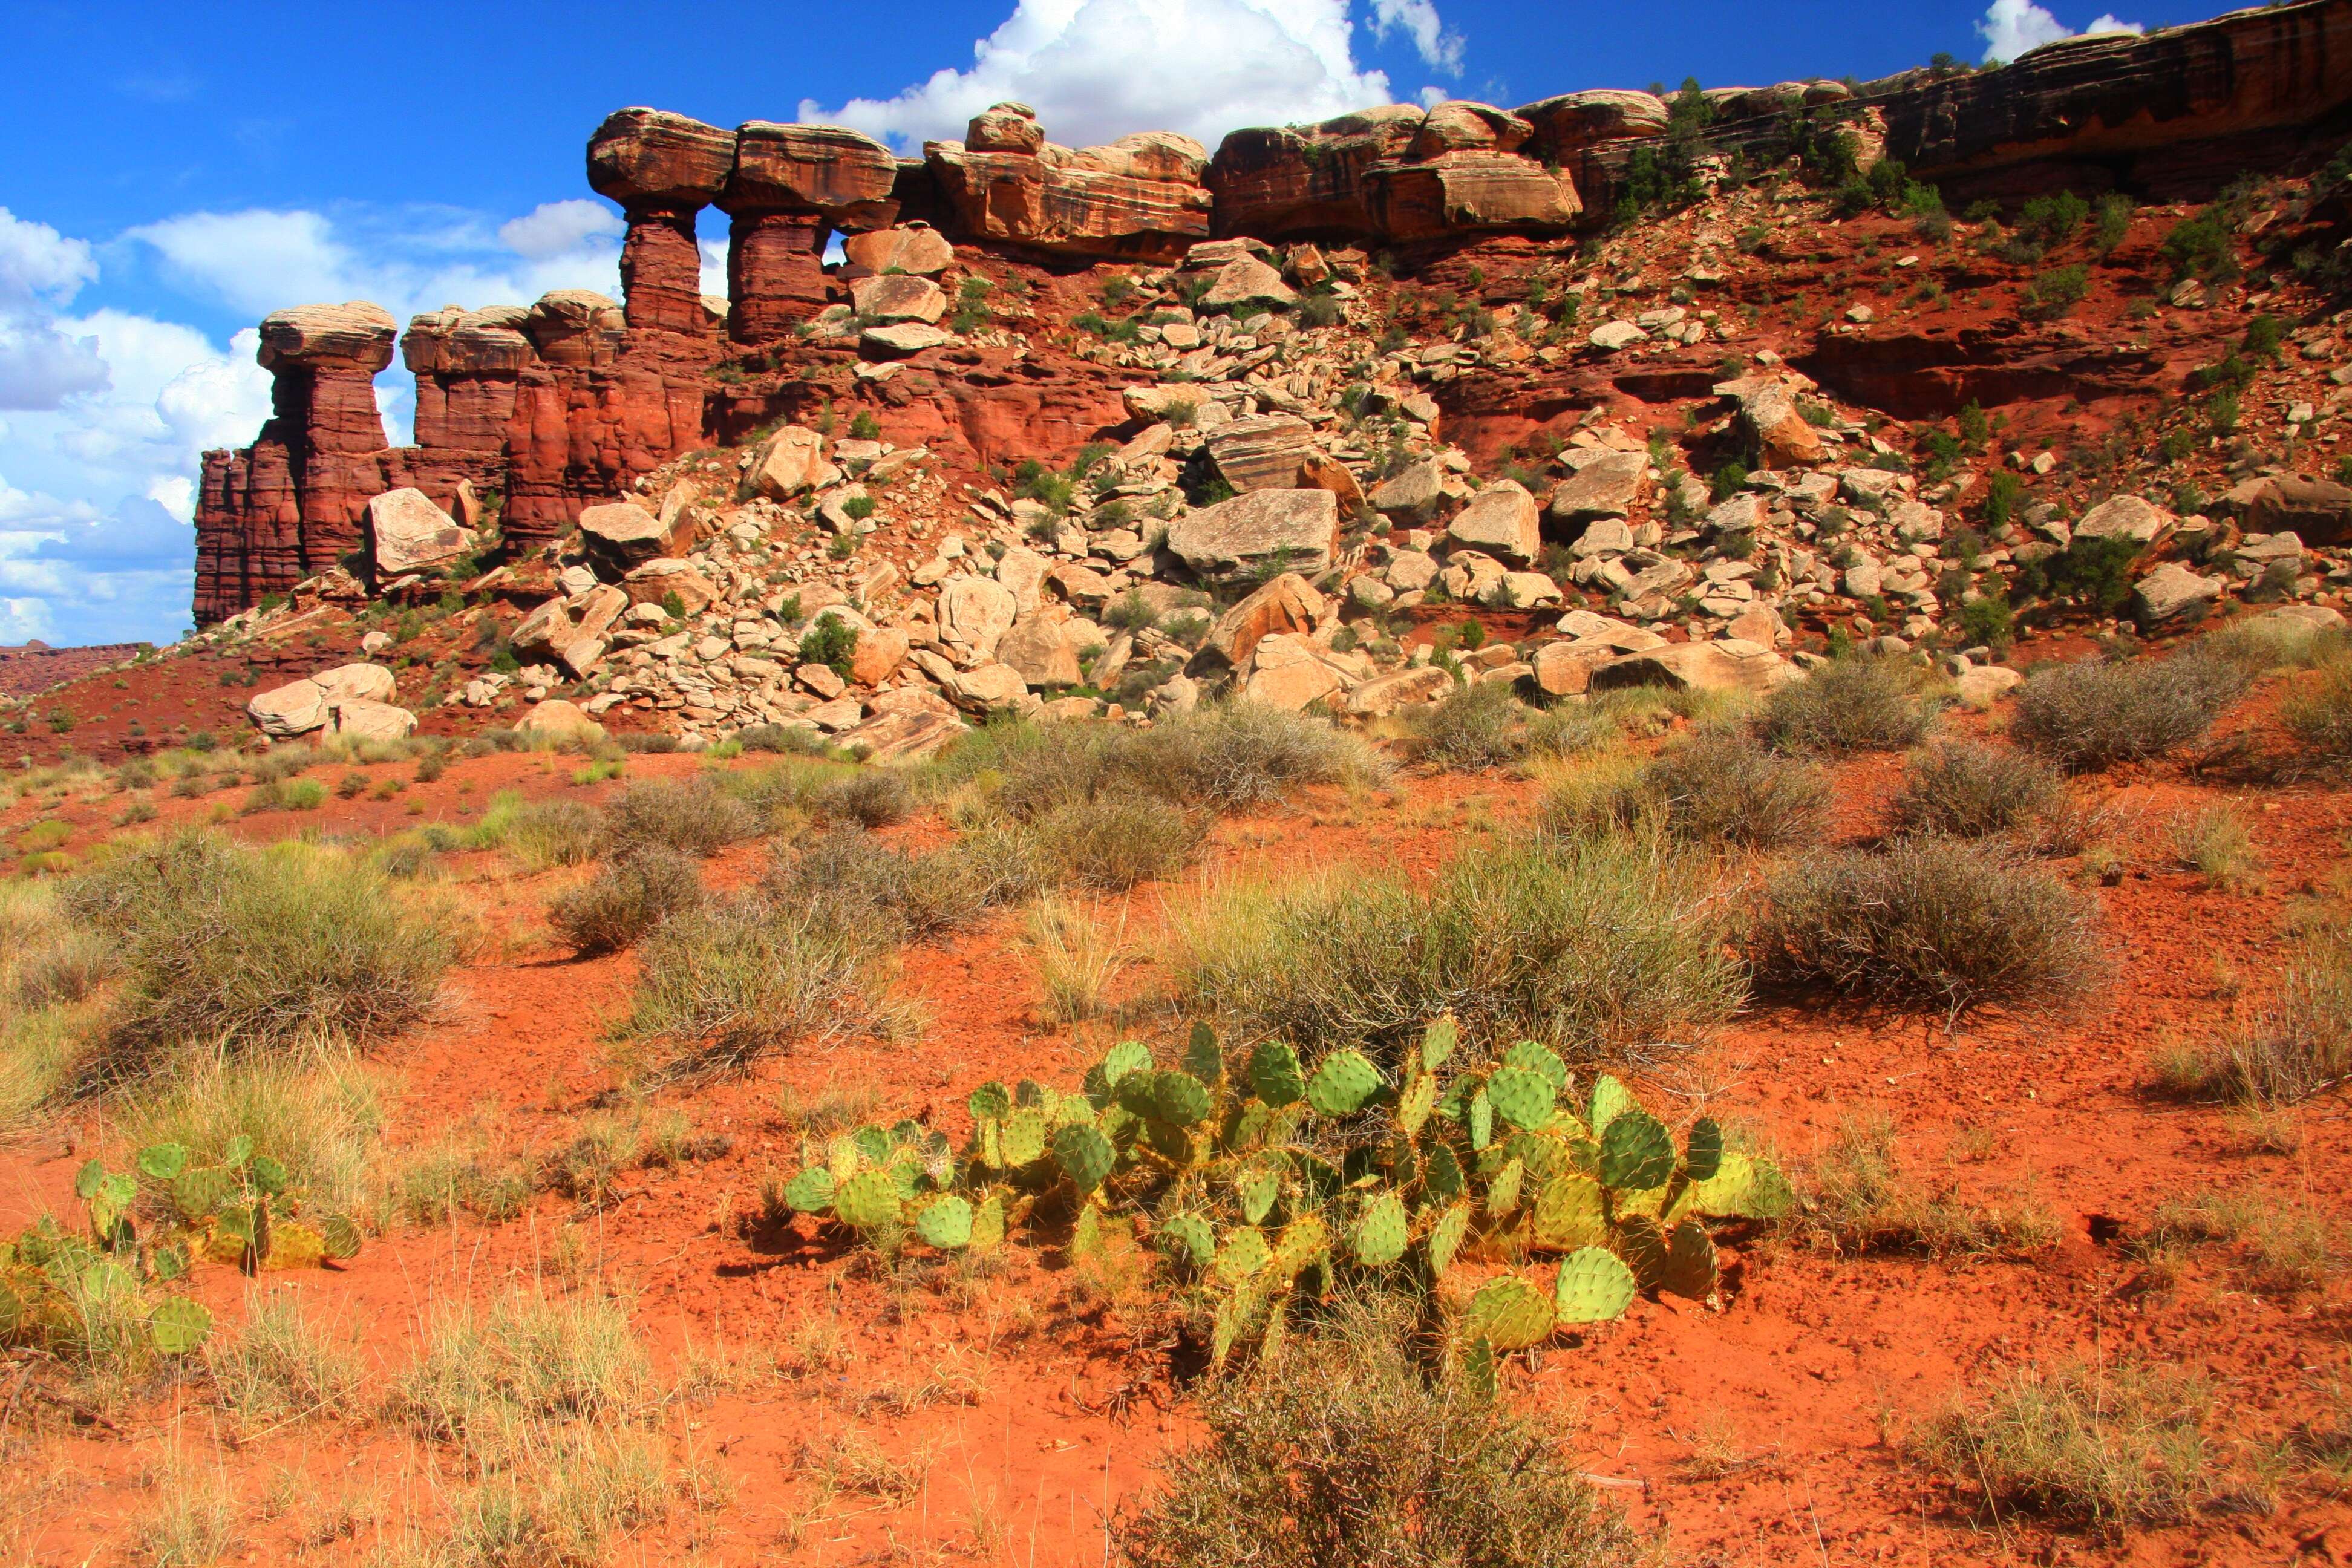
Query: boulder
point(624, 534)
point(1384, 694)
point(656, 581)
point(1724, 665)
point(1297, 530)
point(1502, 520)
point(877, 654)
point(1246, 281)
point(1612, 336)
point(905, 736)
point(285, 711)
point(1565, 669)
point(556, 718)
point(1040, 647)
point(1289, 604)
point(357, 682)
point(974, 612)
point(992, 688)
point(904, 338)
point(1139, 196)
point(2171, 597)
point(1605, 536)
point(1410, 496)
point(1981, 687)
point(1606, 487)
point(1287, 673)
point(2125, 517)
point(1770, 414)
point(1262, 453)
point(915, 250)
point(788, 462)
point(366, 720)
point(1410, 570)
point(406, 533)
point(2318, 510)
point(899, 298)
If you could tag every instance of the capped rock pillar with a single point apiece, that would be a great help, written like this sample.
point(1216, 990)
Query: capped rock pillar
point(661, 169)
point(790, 187)
point(322, 361)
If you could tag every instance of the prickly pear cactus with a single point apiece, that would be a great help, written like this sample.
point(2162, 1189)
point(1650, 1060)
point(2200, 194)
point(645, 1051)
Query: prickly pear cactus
point(1509, 1314)
point(1344, 1084)
point(1593, 1286)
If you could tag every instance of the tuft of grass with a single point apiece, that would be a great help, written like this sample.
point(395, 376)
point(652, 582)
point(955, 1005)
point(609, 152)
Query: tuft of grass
point(281, 1367)
point(259, 949)
point(1113, 842)
point(1078, 959)
point(1346, 1454)
point(1965, 789)
point(1723, 790)
point(540, 834)
point(2089, 716)
point(1849, 705)
point(694, 819)
point(54, 980)
point(1864, 1196)
point(628, 898)
point(2282, 1246)
point(2102, 1447)
point(2214, 842)
point(1472, 727)
point(319, 1113)
point(1594, 945)
point(863, 885)
point(192, 1523)
point(487, 1376)
point(2295, 1045)
point(731, 979)
point(2316, 715)
point(1246, 753)
point(1931, 923)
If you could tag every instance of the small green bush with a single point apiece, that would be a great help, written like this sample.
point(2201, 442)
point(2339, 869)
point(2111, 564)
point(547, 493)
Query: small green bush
point(1113, 842)
point(1964, 789)
point(628, 898)
point(1472, 727)
point(1723, 790)
point(694, 817)
point(2084, 717)
point(731, 979)
point(1854, 704)
point(1931, 923)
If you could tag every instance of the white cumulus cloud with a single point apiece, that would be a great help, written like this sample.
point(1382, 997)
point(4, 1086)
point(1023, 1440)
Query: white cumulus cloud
point(2010, 27)
point(1097, 69)
point(555, 228)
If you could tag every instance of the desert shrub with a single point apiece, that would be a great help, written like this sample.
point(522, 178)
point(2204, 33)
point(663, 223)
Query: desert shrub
point(2087, 716)
point(318, 1114)
point(789, 740)
point(2296, 1044)
point(1472, 727)
point(1590, 945)
point(730, 979)
point(693, 818)
point(540, 834)
point(1862, 1197)
point(2317, 717)
point(2105, 1446)
point(283, 1367)
point(859, 883)
point(821, 791)
point(1964, 789)
point(1112, 842)
point(486, 1377)
point(259, 948)
point(1078, 958)
point(2261, 643)
point(1932, 922)
point(54, 979)
point(2215, 842)
point(626, 898)
point(1346, 1455)
point(1723, 789)
point(1247, 754)
point(1856, 704)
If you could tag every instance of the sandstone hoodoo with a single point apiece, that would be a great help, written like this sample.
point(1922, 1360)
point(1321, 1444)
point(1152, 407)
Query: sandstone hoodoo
point(790, 187)
point(662, 169)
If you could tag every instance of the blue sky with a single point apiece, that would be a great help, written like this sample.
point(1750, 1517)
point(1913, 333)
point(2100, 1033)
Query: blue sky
point(175, 171)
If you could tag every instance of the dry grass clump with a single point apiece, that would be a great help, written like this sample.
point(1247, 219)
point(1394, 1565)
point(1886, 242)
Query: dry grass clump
point(1078, 959)
point(2317, 717)
point(2215, 842)
point(1964, 789)
point(1931, 923)
point(1857, 704)
point(1591, 945)
point(540, 834)
point(484, 1375)
point(1113, 842)
point(281, 1366)
point(54, 976)
point(2084, 717)
point(1864, 1198)
point(694, 817)
point(626, 899)
point(258, 948)
point(1239, 755)
point(2282, 1246)
point(862, 884)
point(2261, 643)
point(733, 978)
point(1723, 790)
point(317, 1110)
point(2101, 1447)
point(1471, 727)
point(823, 792)
point(1344, 1455)
point(2295, 1045)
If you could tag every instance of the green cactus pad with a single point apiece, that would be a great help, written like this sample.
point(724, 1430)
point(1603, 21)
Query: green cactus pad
point(1503, 1192)
point(988, 1223)
point(1179, 1099)
point(1636, 1151)
point(1021, 1138)
point(1381, 1232)
point(990, 1101)
point(1258, 1186)
point(867, 1200)
point(1445, 1238)
point(1534, 1056)
point(1413, 1106)
point(1510, 1314)
point(874, 1145)
point(1084, 1155)
point(1201, 1057)
point(1124, 1058)
point(1642, 1246)
point(1437, 1042)
point(1521, 1098)
point(341, 1236)
point(1703, 1150)
point(1543, 1154)
point(1724, 1192)
point(200, 1192)
point(1305, 1243)
point(167, 1263)
point(1593, 1286)
point(162, 1161)
point(1689, 1269)
point(1241, 1253)
point(1440, 1170)
point(87, 1179)
point(1132, 1093)
point(178, 1325)
point(1570, 1214)
point(945, 1222)
point(1275, 1074)
point(1478, 1369)
point(1768, 1193)
point(1482, 1119)
point(842, 1158)
point(1609, 1098)
point(1188, 1238)
point(1344, 1084)
point(268, 1175)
